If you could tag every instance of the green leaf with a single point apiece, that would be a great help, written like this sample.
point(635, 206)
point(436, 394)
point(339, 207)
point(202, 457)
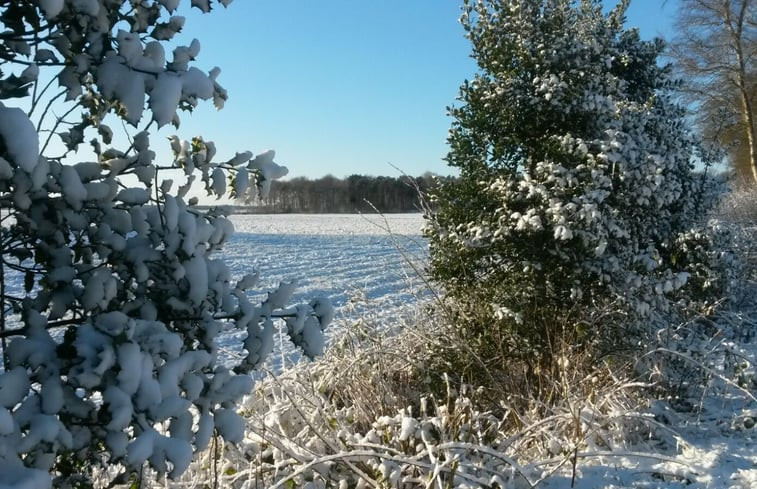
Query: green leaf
point(28, 281)
point(14, 87)
point(21, 254)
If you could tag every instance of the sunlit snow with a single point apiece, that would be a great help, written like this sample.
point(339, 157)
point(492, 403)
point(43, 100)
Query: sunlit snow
point(360, 262)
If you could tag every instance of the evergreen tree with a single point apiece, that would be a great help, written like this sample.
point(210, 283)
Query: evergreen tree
point(113, 299)
point(576, 183)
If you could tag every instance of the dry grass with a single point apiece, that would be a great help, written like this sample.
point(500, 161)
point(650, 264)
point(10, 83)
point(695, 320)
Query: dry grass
point(416, 407)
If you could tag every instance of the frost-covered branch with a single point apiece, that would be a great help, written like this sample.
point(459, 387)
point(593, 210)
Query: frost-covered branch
point(114, 298)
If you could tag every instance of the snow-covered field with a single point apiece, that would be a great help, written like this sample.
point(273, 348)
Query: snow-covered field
point(329, 224)
point(342, 257)
point(365, 264)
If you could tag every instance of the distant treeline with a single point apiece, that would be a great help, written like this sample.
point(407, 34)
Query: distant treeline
point(356, 193)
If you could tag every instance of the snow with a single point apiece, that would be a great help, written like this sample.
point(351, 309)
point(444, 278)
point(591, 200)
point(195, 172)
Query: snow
point(51, 8)
point(313, 339)
point(16, 476)
point(117, 443)
point(133, 196)
point(129, 47)
point(52, 396)
point(154, 60)
point(196, 272)
point(120, 407)
point(6, 422)
point(165, 97)
point(171, 213)
point(73, 190)
point(6, 170)
point(268, 169)
point(230, 425)
point(195, 83)
point(219, 182)
point(709, 458)
point(178, 452)
point(204, 431)
point(351, 258)
point(329, 224)
point(409, 425)
point(141, 448)
point(337, 256)
point(241, 183)
point(20, 137)
point(116, 80)
point(323, 309)
point(14, 385)
point(348, 259)
point(99, 289)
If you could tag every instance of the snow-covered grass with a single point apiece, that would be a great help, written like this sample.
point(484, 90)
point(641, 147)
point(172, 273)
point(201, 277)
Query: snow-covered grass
point(605, 433)
point(371, 414)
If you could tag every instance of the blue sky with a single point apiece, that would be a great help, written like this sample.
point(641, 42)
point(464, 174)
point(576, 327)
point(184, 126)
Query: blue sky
point(344, 86)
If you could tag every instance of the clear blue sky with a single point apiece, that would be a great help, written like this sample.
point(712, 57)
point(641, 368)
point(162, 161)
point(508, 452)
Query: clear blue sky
point(344, 86)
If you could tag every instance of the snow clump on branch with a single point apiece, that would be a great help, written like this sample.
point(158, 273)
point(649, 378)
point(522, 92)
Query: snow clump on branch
point(113, 299)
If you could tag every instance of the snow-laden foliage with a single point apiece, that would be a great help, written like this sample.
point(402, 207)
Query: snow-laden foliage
point(109, 348)
point(578, 203)
point(604, 432)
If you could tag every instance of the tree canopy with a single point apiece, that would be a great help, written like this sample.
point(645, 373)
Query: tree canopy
point(356, 193)
point(715, 50)
point(577, 188)
point(113, 299)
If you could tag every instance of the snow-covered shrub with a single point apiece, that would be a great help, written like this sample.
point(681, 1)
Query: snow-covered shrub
point(113, 302)
point(571, 221)
point(703, 352)
point(739, 207)
point(301, 432)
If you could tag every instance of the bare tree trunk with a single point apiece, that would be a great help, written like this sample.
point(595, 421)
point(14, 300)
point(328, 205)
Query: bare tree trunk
point(736, 28)
point(751, 133)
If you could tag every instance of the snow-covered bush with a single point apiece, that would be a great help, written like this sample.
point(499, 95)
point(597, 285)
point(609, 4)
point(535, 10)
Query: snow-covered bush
point(303, 431)
point(575, 220)
point(112, 300)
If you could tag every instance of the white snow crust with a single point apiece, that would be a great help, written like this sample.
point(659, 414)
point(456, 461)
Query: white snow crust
point(329, 224)
point(51, 8)
point(20, 137)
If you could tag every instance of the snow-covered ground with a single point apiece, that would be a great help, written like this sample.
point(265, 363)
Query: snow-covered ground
point(345, 257)
point(365, 264)
point(329, 224)
point(353, 259)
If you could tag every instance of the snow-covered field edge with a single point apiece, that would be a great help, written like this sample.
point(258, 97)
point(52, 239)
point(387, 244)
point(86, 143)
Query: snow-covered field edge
point(605, 434)
point(356, 418)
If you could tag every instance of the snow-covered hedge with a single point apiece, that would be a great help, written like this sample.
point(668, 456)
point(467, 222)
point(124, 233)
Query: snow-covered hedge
point(577, 217)
point(112, 299)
